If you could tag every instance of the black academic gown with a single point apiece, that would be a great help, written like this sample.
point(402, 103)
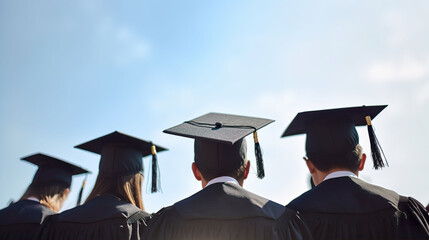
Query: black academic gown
point(22, 220)
point(349, 208)
point(221, 211)
point(104, 217)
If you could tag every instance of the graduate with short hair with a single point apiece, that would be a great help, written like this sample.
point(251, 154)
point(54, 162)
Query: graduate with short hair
point(223, 209)
point(341, 205)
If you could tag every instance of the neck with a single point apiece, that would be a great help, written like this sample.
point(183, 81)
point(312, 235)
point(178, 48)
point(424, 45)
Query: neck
point(204, 182)
point(319, 176)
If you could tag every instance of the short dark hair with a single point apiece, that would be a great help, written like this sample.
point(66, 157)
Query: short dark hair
point(238, 173)
point(350, 160)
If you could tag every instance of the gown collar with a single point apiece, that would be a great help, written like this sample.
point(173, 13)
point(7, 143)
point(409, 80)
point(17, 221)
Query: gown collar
point(222, 179)
point(338, 174)
point(33, 199)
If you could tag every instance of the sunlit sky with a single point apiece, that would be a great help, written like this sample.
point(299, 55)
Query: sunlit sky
point(71, 71)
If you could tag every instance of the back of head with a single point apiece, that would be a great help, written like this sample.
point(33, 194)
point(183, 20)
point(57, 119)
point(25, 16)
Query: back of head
point(332, 140)
point(332, 143)
point(51, 181)
point(52, 196)
point(120, 173)
point(220, 146)
point(215, 159)
point(121, 166)
point(118, 159)
point(128, 188)
point(350, 160)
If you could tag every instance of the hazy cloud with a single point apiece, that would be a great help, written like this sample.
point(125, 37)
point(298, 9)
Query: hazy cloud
point(398, 70)
point(422, 95)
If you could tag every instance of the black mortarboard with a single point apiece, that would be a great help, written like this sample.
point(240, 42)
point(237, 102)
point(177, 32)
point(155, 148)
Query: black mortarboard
point(121, 155)
point(332, 132)
point(220, 146)
point(52, 170)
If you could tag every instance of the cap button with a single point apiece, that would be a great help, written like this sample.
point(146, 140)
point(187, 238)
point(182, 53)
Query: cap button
point(218, 124)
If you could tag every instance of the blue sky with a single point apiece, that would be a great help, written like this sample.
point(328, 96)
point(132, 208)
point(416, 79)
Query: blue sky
point(74, 71)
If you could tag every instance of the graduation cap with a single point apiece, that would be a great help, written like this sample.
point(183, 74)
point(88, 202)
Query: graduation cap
point(52, 170)
point(332, 132)
point(121, 155)
point(219, 145)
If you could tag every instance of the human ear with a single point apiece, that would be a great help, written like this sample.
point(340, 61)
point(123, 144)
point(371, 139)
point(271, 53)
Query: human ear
point(197, 173)
point(247, 170)
point(310, 166)
point(362, 162)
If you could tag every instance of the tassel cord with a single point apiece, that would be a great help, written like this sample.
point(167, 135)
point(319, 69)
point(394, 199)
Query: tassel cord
point(79, 198)
point(377, 153)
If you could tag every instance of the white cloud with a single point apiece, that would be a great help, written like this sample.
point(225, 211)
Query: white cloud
point(404, 25)
point(422, 95)
point(398, 70)
point(403, 55)
point(395, 23)
point(275, 103)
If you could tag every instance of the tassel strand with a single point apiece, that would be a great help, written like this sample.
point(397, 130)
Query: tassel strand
point(79, 198)
point(377, 154)
point(156, 183)
point(258, 155)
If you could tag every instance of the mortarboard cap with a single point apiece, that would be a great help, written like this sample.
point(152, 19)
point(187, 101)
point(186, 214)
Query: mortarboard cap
point(52, 170)
point(121, 155)
point(331, 133)
point(220, 146)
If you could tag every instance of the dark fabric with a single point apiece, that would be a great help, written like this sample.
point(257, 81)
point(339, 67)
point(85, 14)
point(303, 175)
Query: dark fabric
point(96, 145)
point(121, 154)
point(22, 220)
point(219, 127)
point(331, 134)
point(52, 171)
point(105, 217)
point(219, 158)
point(223, 211)
point(120, 160)
point(46, 176)
point(331, 138)
point(303, 120)
point(350, 208)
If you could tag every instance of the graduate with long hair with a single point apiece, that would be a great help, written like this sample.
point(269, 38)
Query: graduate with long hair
point(44, 197)
point(114, 209)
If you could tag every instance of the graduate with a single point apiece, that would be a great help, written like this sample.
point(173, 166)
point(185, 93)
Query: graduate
point(114, 209)
point(223, 209)
point(342, 206)
point(44, 197)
